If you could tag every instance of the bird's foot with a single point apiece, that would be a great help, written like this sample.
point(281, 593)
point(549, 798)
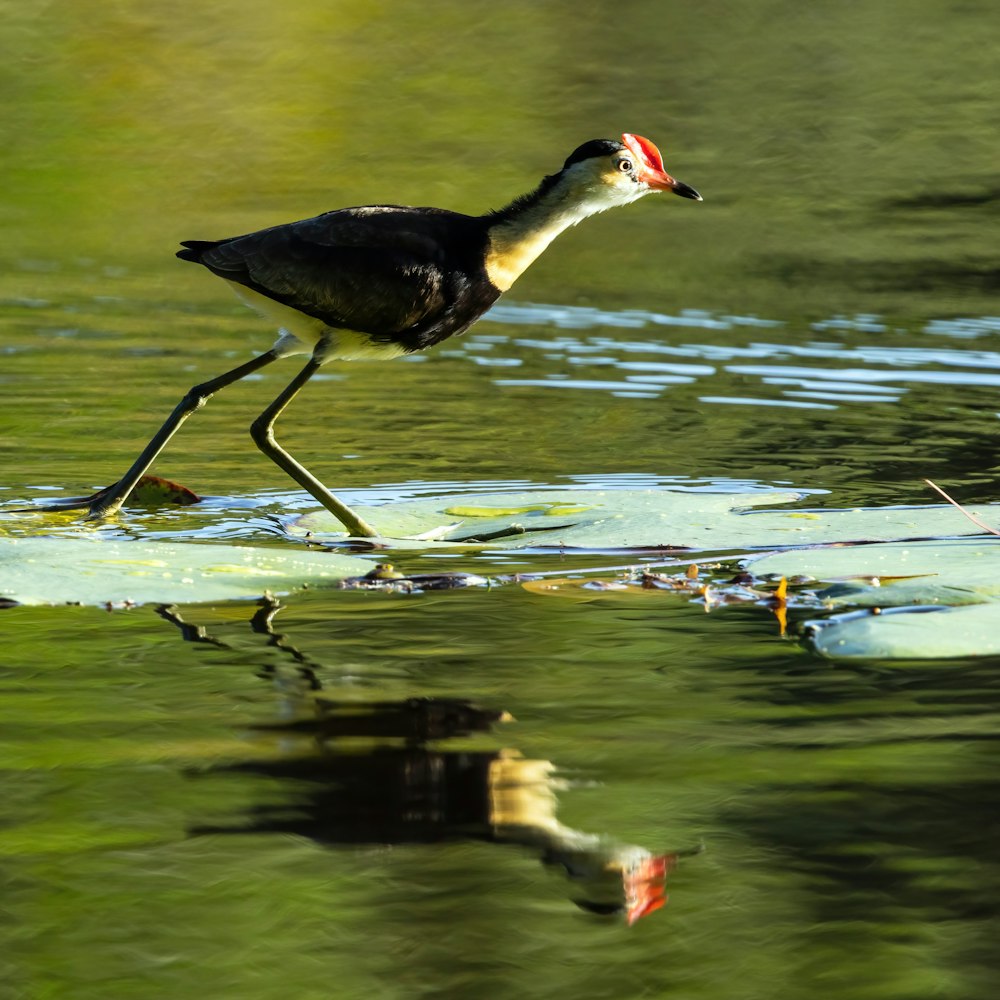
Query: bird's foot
point(98, 505)
point(104, 503)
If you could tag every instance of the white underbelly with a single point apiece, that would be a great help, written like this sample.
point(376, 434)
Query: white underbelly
point(300, 334)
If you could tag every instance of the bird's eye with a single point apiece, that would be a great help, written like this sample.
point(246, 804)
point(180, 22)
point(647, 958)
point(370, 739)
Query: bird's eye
point(625, 166)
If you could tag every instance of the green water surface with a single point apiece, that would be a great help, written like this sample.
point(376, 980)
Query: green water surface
point(302, 801)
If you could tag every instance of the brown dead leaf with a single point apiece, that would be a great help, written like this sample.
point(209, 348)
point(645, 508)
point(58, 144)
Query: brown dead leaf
point(154, 490)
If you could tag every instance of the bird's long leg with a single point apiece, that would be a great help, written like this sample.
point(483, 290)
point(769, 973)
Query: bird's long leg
point(110, 499)
point(262, 432)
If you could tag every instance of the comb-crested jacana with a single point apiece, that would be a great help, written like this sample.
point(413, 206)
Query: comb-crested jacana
point(380, 281)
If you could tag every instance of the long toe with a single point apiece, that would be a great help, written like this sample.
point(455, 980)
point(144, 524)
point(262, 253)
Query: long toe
point(103, 503)
point(54, 506)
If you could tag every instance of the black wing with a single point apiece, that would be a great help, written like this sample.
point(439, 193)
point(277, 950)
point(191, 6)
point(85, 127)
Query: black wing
point(382, 270)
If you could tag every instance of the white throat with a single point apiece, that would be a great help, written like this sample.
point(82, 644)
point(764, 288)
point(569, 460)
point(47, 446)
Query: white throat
point(516, 242)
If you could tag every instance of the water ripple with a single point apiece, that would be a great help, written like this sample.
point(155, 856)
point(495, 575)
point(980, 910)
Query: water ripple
point(871, 375)
point(841, 372)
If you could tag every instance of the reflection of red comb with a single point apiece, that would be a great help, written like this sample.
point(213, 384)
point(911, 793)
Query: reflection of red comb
point(650, 902)
point(644, 150)
point(644, 891)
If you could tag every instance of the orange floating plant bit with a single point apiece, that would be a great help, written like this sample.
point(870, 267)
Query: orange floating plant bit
point(779, 604)
point(781, 613)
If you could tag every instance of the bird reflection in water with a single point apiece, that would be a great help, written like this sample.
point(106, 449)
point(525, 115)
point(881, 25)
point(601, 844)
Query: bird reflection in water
point(375, 780)
point(374, 772)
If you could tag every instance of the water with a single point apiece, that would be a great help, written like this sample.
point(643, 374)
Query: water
point(358, 794)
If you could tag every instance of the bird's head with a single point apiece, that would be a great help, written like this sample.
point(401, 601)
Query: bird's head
point(611, 173)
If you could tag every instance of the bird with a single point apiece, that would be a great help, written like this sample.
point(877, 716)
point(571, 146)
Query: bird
point(381, 281)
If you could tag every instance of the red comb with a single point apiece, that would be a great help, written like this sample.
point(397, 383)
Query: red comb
point(644, 150)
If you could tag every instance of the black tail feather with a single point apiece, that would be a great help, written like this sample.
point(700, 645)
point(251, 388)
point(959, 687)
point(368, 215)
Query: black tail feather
point(193, 249)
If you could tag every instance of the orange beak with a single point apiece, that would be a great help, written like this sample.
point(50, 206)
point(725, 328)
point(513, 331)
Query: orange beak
point(649, 164)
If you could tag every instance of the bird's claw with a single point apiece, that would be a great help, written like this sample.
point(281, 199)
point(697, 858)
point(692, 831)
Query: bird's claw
point(93, 504)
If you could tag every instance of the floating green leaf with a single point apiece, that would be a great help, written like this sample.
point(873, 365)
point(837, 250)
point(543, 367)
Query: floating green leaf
point(944, 633)
point(949, 571)
point(912, 579)
point(641, 519)
point(90, 571)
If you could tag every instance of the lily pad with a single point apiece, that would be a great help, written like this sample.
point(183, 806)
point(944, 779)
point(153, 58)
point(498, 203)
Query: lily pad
point(90, 571)
point(910, 634)
point(943, 596)
point(640, 519)
point(948, 572)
